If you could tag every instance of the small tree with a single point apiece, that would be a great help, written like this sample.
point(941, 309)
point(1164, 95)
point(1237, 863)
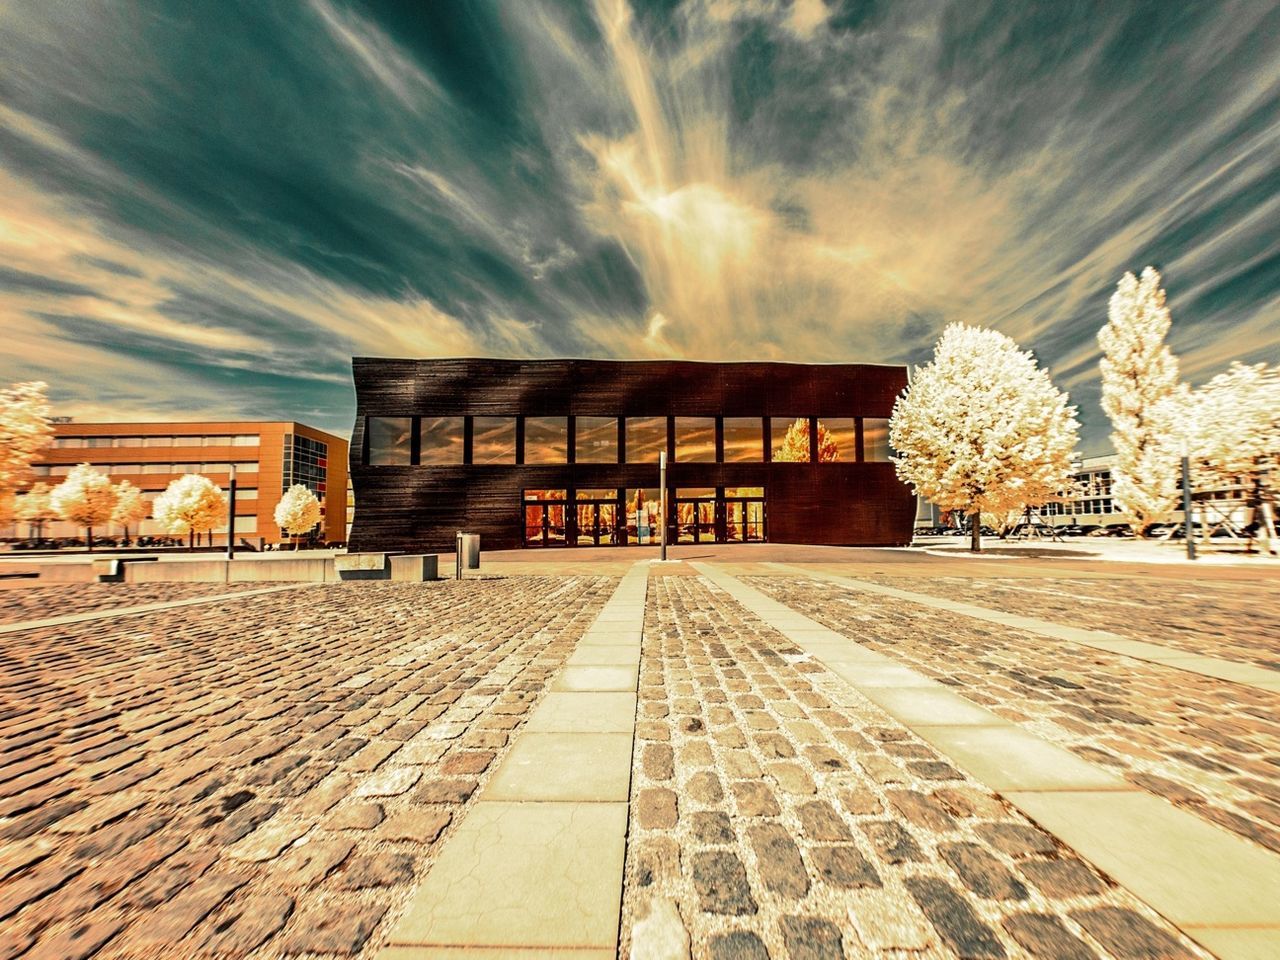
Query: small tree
point(190, 504)
point(24, 432)
point(1140, 394)
point(86, 498)
point(795, 444)
point(35, 508)
point(982, 429)
point(1235, 436)
point(298, 511)
point(130, 509)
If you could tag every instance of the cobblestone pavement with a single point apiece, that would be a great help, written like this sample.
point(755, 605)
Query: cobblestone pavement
point(264, 777)
point(1207, 745)
point(783, 815)
point(22, 602)
point(1234, 620)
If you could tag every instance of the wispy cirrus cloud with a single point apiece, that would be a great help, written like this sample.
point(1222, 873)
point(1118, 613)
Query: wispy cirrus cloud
point(206, 212)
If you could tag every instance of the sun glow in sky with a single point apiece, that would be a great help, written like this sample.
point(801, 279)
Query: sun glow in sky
point(207, 208)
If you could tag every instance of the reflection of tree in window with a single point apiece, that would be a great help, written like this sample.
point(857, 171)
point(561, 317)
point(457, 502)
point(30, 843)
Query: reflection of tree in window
point(795, 444)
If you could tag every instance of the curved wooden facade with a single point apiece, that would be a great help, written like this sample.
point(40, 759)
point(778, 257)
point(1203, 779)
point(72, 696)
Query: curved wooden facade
point(415, 507)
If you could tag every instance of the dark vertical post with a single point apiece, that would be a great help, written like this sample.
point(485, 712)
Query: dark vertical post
point(231, 515)
point(719, 439)
point(519, 439)
point(813, 439)
point(857, 430)
point(571, 439)
point(468, 439)
point(767, 438)
point(1186, 508)
point(622, 440)
point(662, 489)
point(415, 440)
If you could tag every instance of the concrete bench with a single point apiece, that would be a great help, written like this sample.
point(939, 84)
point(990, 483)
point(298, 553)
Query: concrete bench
point(112, 569)
point(415, 568)
point(362, 566)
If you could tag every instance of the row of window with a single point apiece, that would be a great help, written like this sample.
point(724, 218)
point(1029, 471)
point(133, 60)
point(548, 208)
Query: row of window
point(1079, 508)
point(131, 469)
point(306, 461)
point(498, 440)
point(229, 440)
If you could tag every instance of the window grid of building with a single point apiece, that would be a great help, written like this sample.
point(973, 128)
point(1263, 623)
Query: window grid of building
point(306, 461)
point(545, 439)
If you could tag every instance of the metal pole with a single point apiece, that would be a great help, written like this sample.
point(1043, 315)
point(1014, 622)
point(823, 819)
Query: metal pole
point(457, 553)
point(231, 516)
point(662, 491)
point(1186, 508)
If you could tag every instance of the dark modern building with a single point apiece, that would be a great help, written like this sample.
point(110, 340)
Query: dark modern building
point(544, 453)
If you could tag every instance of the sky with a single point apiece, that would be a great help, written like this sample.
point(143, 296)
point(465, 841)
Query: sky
point(207, 207)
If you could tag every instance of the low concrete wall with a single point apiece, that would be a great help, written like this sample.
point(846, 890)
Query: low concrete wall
point(314, 569)
point(68, 573)
point(184, 571)
point(415, 568)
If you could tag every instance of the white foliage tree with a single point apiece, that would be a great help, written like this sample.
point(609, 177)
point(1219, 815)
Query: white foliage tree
point(190, 504)
point(131, 509)
point(298, 511)
point(982, 429)
point(85, 498)
point(1141, 395)
point(24, 433)
point(1235, 436)
point(36, 508)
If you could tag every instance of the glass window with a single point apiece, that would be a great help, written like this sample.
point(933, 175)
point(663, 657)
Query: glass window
point(250, 467)
point(217, 467)
point(441, 439)
point(691, 493)
point(60, 471)
point(643, 507)
point(696, 439)
point(546, 440)
point(754, 493)
point(595, 439)
point(246, 493)
point(493, 440)
point(157, 441)
point(646, 438)
point(40, 470)
point(127, 442)
point(245, 440)
point(546, 495)
point(120, 469)
point(98, 443)
point(157, 468)
point(875, 439)
point(596, 494)
point(743, 440)
point(789, 437)
point(837, 440)
point(187, 441)
point(69, 443)
point(246, 525)
point(215, 441)
point(389, 442)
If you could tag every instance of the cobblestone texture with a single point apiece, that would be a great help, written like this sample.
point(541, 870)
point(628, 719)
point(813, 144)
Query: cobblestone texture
point(1233, 620)
point(19, 602)
point(799, 821)
point(1210, 746)
point(260, 777)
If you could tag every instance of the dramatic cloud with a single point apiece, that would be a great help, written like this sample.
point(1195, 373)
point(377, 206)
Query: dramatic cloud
point(206, 209)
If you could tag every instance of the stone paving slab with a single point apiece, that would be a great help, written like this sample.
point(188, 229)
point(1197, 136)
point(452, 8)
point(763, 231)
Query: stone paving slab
point(260, 777)
point(1209, 747)
point(36, 602)
point(778, 813)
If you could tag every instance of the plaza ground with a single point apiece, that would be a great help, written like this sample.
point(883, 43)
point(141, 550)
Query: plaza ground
point(785, 752)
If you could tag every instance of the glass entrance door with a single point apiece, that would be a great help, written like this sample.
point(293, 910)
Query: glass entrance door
point(695, 520)
point(597, 523)
point(544, 518)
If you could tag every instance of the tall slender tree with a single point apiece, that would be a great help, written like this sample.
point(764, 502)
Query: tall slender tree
point(1140, 393)
point(86, 498)
point(982, 429)
point(35, 508)
point(131, 509)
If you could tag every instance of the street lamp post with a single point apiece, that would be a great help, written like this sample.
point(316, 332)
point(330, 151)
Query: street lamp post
point(1186, 508)
point(231, 515)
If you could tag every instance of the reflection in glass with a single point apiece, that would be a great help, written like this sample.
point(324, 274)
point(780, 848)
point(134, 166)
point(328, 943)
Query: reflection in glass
point(545, 494)
point(440, 440)
point(790, 439)
point(875, 440)
point(389, 441)
point(603, 494)
point(546, 439)
point(837, 440)
point(493, 440)
point(643, 507)
point(743, 440)
point(646, 438)
point(696, 439)
point(752, 492)
point(595, 439)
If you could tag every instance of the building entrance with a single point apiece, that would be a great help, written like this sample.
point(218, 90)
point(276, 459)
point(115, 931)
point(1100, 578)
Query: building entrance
point(598, 518)
point(544, 518)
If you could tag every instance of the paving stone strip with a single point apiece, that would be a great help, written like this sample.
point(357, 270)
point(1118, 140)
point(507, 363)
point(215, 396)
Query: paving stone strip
point(1216, 887)
point(1215, 667)
point(1237, 620)
point(266, 778)
point(32, 600)
point(1210, 747)
point(112, 612)
point(536, 867)
point(778, 813)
